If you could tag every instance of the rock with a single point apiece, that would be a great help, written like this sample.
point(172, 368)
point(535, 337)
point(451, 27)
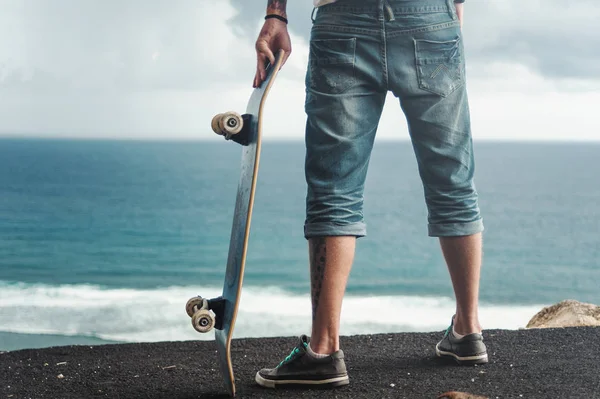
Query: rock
point(568, 313)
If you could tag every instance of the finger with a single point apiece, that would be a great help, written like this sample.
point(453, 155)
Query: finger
point(260, 67)
point(257, 79)
point(269, 55)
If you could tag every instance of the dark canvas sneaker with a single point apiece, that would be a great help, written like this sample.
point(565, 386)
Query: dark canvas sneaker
point(468, 350)
point(300, 368)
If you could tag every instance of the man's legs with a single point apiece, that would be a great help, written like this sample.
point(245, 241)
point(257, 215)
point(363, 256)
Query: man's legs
point(427, 73)
point(330, 264)
point(321, 362)
point(463, 341)
point(463, 257)
point(344, 100)
point(346, 93)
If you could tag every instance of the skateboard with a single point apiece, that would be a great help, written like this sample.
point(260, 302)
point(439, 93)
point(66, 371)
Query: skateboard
point(220, 313)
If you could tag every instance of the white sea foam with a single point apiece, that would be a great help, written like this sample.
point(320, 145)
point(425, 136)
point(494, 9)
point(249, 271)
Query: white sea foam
point(132, 315)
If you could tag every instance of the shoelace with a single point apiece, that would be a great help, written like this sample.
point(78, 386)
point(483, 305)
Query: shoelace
point(291, 356)
point(448, 330)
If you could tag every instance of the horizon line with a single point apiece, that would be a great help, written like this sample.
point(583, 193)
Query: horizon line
point(270, 139)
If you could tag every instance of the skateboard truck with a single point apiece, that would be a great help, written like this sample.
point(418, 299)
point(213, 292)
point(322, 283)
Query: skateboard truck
point(206, 314)
point(233, 126)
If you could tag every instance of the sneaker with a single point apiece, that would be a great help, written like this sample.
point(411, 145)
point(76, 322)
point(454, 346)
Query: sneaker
point(468, 350)
point(300, 368)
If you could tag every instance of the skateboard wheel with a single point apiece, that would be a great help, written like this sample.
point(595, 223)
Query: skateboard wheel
point(215, 125)
point(195, 304)
point(203, 321)
point(230, 123)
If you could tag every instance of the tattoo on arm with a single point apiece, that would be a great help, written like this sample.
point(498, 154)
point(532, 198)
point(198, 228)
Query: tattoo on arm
point(317, 272)
point(277, 7)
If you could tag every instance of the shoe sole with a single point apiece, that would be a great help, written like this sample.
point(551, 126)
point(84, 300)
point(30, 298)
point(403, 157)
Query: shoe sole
point(328, 383)
point(462, 360)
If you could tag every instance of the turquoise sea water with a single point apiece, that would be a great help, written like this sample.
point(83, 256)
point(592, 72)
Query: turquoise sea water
point(106, 240)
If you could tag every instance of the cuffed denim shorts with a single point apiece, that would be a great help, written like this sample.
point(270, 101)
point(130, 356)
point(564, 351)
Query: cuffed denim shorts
point(360, 50)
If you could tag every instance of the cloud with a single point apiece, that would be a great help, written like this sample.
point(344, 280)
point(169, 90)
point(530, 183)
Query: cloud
point(556, 39)
point(115, 69)
point(111, 44)
point(154, 68)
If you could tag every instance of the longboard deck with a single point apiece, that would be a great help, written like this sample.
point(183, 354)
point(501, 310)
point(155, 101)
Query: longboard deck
point(240, 230)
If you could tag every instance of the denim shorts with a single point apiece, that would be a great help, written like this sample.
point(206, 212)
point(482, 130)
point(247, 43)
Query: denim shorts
point(360, 50)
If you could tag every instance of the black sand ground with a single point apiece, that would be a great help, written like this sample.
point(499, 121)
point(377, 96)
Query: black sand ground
point(549, 363)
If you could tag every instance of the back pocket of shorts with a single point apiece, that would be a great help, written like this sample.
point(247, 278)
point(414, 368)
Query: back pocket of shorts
point(331, 65)
point(439, 66)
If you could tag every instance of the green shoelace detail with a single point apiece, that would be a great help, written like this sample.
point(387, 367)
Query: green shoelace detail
point(291, 356)
point(448, 330)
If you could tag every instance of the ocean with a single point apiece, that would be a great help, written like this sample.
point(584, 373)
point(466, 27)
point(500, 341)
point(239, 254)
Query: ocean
point(105, 241)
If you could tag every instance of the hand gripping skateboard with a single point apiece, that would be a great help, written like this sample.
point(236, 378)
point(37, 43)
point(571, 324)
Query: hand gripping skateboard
point(220, 313)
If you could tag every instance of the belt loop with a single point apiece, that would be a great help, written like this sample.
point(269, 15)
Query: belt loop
point(390, 11)
point(451, 9)
point(312, 16)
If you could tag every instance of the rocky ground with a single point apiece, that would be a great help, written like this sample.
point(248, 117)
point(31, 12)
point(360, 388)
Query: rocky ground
point(537, 363)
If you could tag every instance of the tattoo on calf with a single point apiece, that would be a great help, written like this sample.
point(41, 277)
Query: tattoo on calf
point(317, 272)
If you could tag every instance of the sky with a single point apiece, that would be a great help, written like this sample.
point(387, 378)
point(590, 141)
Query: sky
point(158, 69)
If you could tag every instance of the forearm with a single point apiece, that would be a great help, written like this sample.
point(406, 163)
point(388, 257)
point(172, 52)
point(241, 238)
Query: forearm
point(277, 7)
point(460, 12)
